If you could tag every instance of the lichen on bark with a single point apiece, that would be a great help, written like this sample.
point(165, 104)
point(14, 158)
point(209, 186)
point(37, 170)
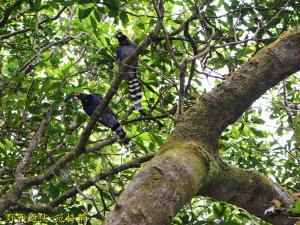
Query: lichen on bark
point(189, 164)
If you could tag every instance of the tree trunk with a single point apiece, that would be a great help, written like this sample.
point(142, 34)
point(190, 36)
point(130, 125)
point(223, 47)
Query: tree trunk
point(189, 164)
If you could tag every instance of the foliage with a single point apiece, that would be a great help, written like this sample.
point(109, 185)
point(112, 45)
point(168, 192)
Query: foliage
point(50, 49)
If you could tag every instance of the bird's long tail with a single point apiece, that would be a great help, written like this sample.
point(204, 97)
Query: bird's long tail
point(134, 89)
point(122, 135)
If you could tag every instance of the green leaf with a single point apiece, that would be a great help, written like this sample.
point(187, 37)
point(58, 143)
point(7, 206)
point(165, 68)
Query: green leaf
point(86, 1)
point(220, 3)
point(54, 191)
point(124, 18)
point(113, 6)
point(83, 13)
point(297, 134)
point(258, 120)
point(56, 56)
point(97, 14)
point(257, 132)
point(36, 4)
point(89, 207)
point(106, 195)
point(297, 205)
point(141, 25)
point(93, 22)
point(53, 4)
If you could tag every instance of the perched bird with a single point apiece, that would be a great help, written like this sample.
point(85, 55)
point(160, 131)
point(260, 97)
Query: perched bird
point(125, 48)
point(108, 118)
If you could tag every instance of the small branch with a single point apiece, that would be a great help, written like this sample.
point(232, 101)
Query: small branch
point(8, 35)
point(169, 48)
point(210, 75)
point(8, 11)
point(287, 107)
point(5, 169)
point(170, 80)
point(53, 18)
point(133, 164)
point(181, 89)
point(92, 199)
point(195, 51)
point(145, 118)
point(101, 145)
point(201, 54)
point(180, 67)
point(276, 16)
point(265, 40)
point(6, 181)
point(102, 198)
point(23, 165)
point(19, 14)
point(30, 65)
point(92, 181)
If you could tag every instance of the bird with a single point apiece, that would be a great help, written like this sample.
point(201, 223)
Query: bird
point(125, 48)
point(108, 118)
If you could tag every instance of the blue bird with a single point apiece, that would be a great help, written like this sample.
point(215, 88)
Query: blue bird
point(108, 118)
point(125, 48)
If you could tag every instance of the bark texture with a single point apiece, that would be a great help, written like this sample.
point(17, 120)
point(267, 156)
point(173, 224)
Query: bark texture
point(249, 190)
point(188, 164)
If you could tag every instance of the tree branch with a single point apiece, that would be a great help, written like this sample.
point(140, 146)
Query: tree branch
point(8, 35)
point(92, 181)
point(23, 164)
point(250, 190)
point(8, 11)
point(189, 160)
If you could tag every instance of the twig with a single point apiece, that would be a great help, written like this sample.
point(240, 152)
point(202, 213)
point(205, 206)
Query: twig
point(22, 166)
point(92, 199)
point(92, 181)
point(8, 11)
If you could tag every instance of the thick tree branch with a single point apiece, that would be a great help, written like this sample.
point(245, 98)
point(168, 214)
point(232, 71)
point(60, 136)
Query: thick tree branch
point(189, 160)
point(227, 102)
point(249, 190)
point(166, 183)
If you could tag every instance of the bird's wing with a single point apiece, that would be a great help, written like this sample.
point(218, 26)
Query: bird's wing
point(118, 53)
point(108, 118)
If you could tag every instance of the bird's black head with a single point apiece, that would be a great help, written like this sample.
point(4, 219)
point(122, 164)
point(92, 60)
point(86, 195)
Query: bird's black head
point(85, 98)
point(123, 39)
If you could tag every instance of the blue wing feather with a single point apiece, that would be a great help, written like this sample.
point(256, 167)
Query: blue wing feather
point(118, 53)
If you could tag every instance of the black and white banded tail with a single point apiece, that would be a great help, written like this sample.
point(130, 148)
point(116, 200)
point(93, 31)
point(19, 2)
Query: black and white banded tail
point(122, 135)
point(135, 92)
